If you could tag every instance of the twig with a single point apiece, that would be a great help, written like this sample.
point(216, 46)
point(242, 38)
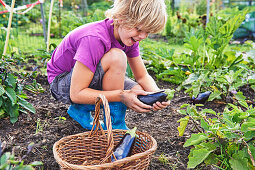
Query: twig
point(196, 126)
point(249, 152)
point(250, 140)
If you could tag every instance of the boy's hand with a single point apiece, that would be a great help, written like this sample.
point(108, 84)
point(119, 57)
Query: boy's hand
point(159, 106)
point(129, 98)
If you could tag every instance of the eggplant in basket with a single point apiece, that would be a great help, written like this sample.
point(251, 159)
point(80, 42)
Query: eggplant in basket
point(124, 147)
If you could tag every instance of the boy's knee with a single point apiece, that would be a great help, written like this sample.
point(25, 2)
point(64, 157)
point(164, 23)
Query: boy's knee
point(115, 57)
point(118, 55)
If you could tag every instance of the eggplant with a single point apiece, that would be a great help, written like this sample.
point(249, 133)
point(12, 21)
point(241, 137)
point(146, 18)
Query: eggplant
point(152, 98)
point(124, 147)
point(201, 98)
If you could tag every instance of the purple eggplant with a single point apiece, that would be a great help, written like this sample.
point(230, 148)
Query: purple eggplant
point(201, 98)
point(152, 98)
point(124, 147)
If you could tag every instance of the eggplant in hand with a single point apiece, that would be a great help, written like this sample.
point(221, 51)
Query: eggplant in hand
point(201, 98)
point(124, 147)
point(152, 98)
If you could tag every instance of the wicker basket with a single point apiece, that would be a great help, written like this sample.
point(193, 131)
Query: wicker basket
point(93, 150)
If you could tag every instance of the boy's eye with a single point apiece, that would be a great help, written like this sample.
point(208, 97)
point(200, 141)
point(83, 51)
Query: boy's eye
point(138, 29)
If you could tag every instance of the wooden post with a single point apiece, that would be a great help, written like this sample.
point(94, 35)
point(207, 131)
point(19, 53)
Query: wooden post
point(9, 28)
point(85, 8)
point(208, 11)
point(59, 20)
point(49, 23)
point(172, 6)
point(43, 23)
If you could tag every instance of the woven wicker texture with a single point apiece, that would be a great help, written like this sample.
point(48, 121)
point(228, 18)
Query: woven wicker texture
point(93, 150)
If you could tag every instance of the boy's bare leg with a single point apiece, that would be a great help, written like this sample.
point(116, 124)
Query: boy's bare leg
point(114, 64)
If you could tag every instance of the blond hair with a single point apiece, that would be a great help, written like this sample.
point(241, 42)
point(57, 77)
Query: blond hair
point(148, 15)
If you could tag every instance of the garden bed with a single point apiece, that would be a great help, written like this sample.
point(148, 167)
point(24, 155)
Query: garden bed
point(48, 125)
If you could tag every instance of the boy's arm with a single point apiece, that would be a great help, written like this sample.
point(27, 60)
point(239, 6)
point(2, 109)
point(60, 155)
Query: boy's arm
point(141, 75)
point(81, 94)
point(145, 80)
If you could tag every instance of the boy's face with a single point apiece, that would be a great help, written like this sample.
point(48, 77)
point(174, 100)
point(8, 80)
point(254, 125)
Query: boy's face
point(129, 36)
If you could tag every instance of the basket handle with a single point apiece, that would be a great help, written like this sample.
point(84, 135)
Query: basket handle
point(102, 100)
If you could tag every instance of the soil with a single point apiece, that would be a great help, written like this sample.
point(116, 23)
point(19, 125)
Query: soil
point(47, 126)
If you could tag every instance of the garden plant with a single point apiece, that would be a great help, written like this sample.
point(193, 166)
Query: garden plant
point(190, 57)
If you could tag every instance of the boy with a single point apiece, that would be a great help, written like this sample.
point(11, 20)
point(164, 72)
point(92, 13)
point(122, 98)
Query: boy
point(92, 60)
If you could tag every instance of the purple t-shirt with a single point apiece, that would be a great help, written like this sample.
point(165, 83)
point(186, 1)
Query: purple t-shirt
point(86, 44)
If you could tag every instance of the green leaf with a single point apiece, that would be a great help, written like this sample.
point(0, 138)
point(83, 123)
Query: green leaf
point(11, 80)
point(209, 111)
point(184, 105)
point(26, 105)
point(5, 158)
point(36, 163)
point(14, 113)
point(183, 112)
point(204, 125)
point(215, 94)
point(11, 94)
point(249, 125)
point(238, 161)
point(1, 90)
point(195, 139)
point(243, 103)
point(183, 124)
point(198, 156)
point(170, 93)
point(240, 96)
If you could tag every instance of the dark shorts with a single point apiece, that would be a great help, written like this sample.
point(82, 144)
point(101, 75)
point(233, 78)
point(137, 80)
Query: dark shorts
point(60, 86)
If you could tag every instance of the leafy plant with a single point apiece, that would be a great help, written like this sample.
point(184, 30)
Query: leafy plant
point(12, 98)
point(224, 140)
point(10, 162)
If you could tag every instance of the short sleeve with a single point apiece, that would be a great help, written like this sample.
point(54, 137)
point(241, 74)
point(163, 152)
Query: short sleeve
point(90, 50)
point(133, 51)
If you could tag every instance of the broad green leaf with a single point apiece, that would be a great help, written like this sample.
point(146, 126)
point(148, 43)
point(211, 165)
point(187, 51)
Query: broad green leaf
point(170, 93)
point(183, 112)
point(244, 115)
point(249, 125)
point(14, 113)
point(240, 96)
point(184, 105)
point(204, 125)
point(11, 80)
point(183, 124)
point(192, 77)
point(214, 95)
point(5, 158)
point(26, 105)
point(11, 94)
point(209, 111)
point(13, 119)
point(211, 159)
point(243, 103)
point(1, 90)
point(195, 139)
point(238, 161)
point(249, 135)
point(198, 156)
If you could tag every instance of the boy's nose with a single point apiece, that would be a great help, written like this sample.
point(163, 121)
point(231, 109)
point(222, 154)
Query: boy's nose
point(143, 35)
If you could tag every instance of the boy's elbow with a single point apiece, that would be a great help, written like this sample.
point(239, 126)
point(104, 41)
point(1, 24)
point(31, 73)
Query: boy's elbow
point(74, 97)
